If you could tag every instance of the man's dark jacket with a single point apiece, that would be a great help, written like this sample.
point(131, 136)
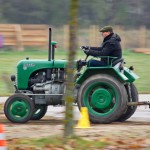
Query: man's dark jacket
point(110, 47)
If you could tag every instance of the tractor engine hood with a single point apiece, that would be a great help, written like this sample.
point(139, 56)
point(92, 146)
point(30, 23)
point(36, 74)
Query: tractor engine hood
point(26, 68)
point(34, 65)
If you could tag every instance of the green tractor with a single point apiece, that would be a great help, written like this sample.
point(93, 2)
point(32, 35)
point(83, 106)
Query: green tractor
point(105, 91)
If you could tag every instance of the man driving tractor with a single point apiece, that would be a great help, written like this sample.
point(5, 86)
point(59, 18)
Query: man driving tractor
point(110, 47)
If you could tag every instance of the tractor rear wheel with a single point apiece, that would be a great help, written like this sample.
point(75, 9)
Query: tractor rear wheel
point(40, 111)
point(104, 96)
point(131, 109)
point(18, 108)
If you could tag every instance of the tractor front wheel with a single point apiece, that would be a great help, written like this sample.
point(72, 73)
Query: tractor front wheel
point(18, 108)
point(104, 96)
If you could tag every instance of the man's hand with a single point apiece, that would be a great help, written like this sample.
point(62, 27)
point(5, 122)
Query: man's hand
point(85, 47)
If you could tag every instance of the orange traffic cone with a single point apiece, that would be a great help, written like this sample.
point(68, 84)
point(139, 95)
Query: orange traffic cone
point(2, 138)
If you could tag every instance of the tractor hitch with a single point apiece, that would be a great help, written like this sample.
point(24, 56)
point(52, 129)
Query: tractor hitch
point(139, 103)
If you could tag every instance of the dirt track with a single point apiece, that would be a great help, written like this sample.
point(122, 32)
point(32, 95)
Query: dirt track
point(136, 133)
point(54, 126)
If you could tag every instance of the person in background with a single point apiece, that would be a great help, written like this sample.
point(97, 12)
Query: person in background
point(110, 47)
point(1, 41)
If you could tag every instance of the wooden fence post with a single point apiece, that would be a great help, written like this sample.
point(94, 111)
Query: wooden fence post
point(120, 31)
point(142, 37)
point(19, 40)
point(98, 36)
point(92, 35)
point(66, 37)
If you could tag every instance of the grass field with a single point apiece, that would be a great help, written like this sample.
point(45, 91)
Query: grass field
point(57, 143)
point(9, 60)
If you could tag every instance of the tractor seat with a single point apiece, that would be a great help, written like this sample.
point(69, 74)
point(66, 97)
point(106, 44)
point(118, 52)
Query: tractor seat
point(120, 60)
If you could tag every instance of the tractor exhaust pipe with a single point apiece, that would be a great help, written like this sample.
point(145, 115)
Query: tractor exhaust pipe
point(49, 45)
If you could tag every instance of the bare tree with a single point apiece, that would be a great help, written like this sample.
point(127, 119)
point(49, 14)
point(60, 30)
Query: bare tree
point(69, 99)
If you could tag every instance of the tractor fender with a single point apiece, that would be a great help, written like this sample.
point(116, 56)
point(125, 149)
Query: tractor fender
point(103, 70)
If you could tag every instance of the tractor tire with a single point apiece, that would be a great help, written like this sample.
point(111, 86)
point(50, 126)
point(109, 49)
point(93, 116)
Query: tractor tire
point(104, 96)
point(18, 108)
point(130, 109)
point(40, 111)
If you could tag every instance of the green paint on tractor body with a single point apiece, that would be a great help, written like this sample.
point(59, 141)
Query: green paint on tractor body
point(26, 68)
point(125, 76)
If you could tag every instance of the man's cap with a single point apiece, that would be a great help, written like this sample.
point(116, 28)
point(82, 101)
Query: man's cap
point(106, 29)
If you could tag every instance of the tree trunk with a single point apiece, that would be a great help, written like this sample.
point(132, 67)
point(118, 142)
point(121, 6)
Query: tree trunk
point(69, 99)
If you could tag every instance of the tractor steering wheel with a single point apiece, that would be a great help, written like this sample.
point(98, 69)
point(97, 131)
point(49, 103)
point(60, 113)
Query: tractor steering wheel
point(84, 48)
